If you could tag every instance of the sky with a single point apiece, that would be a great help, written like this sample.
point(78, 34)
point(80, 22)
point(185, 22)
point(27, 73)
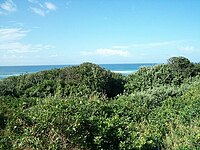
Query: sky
point(59, 32)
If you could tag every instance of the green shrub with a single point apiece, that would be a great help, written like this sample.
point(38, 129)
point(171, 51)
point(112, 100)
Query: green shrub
point(174, 73)
point(85, 79)
point(158, 110)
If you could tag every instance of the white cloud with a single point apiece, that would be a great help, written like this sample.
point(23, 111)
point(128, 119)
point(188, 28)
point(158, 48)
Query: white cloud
point(16, 24)
point(42, 9)
point(148, 45)
point(155, 44)
point(107, 52)
point(10, 42)
point(33, 1)
point(43, 47)
point(38, 11)
point(120, 47)
point(53, 55)
point(67, 4)
point(50, 6)
point(17, 47)
point(159, 44)
point(187, 49)
point(7, 6)
point(11, 34)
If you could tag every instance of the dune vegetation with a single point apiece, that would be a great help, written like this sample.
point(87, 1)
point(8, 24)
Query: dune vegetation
point(91, 108)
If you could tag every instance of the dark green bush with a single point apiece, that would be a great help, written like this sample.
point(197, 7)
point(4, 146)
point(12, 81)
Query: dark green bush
point(159, 110)
point(86, 79)
point(174, 73)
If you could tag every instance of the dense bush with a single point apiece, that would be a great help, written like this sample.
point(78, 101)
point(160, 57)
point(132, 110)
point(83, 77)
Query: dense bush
point(174, 73)
point(127, 122)
point(86, 79)
point(158, 110)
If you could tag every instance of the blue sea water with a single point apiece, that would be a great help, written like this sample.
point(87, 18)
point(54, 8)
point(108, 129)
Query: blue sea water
point(125, 69)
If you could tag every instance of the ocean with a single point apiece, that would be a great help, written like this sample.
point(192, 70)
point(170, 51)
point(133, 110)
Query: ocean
point(125, 69)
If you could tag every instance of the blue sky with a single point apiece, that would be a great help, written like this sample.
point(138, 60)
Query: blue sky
point(34, 32)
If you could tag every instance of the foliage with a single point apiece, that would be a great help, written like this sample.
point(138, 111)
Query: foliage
point(154, 112)
point(181, 66)
point(174, 73)
point(179, 63)
point(197, 68)
point(86, 79)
